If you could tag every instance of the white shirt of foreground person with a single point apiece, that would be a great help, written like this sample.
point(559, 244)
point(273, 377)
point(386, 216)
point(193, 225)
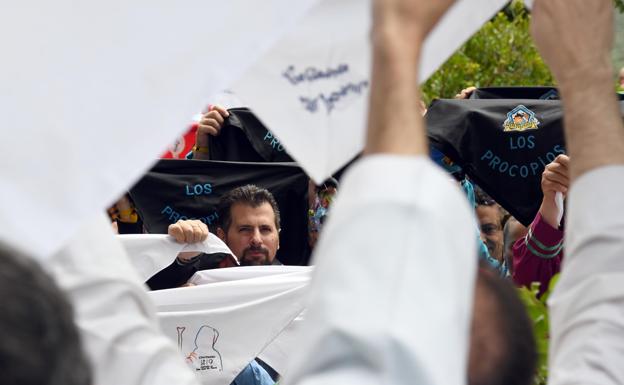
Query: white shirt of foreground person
point(587, 306)
point(391, 297)
point(116, 319)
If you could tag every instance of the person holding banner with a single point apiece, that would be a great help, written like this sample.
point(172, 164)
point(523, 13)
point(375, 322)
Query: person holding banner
point(249, 224)
point(382, 339)
point(538, 255)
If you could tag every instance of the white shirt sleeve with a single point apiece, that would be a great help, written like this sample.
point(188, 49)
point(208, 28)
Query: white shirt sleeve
point(391, 298)
point(117, 322)
point(587, 306)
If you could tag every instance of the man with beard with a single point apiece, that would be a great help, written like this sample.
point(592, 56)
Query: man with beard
point(249, 224)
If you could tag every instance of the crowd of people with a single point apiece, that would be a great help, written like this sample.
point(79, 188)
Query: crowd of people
point(413, 232)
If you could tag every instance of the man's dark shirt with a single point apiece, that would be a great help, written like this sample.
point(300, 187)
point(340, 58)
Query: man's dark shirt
point(178, 273)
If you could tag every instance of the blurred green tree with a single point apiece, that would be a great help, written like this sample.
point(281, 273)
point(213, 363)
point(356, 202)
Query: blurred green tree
point(501, 53)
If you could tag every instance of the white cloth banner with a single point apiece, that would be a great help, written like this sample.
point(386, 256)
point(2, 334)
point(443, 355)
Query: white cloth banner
point(319, 78)
point(279, 352)
point(150, 253)
point(92, 92)
point(117, 321)
point(232, 316)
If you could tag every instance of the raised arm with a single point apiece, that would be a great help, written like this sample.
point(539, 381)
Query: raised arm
point(575, 38)
point(395, 124)
point(209, 125)
point(372, 315)
point(587, 321)
point(537, 256)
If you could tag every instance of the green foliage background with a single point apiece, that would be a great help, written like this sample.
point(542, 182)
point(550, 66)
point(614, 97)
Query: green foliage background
point(502, 53)
point(538, 313)
point(618, 51)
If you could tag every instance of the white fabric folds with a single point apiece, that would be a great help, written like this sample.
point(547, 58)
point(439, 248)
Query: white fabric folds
point(320, 73)
point(233, 316)
point(150, 253)
point(98, 90)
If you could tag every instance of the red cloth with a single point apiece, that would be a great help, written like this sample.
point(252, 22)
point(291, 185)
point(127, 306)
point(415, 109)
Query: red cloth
point(183, 145)
point(537, 257)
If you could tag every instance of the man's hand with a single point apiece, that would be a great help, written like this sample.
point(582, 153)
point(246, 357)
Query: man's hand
point(416, 17)
point(465, 93)
point(210, 125)
point(574, 37)
point(555, 178)
point(189, 231)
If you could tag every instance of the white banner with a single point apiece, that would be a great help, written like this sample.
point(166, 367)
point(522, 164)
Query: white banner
point(318, 78)
point(93, 92)
point(233, 316)
point(150, 253)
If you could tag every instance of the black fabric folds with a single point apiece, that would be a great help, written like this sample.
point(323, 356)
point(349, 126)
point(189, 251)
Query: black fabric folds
point(244, 138)
point(504, 159)
point(190, 189)
point(502, 144)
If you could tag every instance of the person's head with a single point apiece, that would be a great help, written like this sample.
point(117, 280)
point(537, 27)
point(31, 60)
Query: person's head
point(40, 342)
point(491, 218)
point(502, 345)
point(512, 231)
point(249, 224)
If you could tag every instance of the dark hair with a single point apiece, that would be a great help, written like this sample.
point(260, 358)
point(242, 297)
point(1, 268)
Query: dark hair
point(40, 342)
point(483, 199)
point(503, 350)
point(330, 182)
point(251, 195)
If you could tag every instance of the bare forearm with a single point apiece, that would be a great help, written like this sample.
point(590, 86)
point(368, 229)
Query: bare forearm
point(394, 121)
point(593, 123)
point(580, 59)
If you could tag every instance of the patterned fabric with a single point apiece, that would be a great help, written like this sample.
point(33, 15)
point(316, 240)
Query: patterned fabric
point(318, 211)
point(537, 257)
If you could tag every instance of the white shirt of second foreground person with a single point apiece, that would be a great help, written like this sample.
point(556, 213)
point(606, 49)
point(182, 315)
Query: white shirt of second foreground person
point(587, 306)
point(391, 299)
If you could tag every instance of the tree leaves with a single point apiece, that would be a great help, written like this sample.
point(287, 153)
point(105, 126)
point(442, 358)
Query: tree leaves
point(502, 53)
point(537, 310)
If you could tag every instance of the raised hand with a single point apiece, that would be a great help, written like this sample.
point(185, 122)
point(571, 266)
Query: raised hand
point(210, 124)
point(555, 178)
point(188, 231)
